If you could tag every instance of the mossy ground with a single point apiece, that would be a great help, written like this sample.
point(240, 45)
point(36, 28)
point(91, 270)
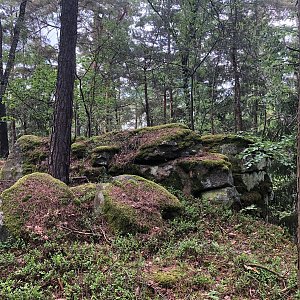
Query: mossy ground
point(206, 253)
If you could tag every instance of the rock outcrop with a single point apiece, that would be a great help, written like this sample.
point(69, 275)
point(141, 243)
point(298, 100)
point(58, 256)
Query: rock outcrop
point(251, 181)
point(171, 155)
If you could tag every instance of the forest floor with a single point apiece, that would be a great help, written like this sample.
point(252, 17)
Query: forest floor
point(206, 253)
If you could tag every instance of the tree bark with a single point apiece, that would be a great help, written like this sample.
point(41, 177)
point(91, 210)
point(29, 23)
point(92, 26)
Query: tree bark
point(171, 105)
point(298, 156)
point(165, 106)
point(4, 74)
point(236, 73)
point(147, 107)
point(60, 146)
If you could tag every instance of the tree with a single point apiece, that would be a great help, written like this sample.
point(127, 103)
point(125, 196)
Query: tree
point(298, 155)
point(5, 74)
point(60, 145)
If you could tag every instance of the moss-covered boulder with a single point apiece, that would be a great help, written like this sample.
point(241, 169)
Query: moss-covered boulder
point(79, 149)
point(173, 143)
point(134, 204)
point(205, 172)
point(29, 155)
point(42, 206)
point(35, 203)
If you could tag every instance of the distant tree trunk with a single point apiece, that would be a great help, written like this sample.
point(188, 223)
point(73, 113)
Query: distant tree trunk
point(234, 60)
point(171, 104)
point(86, 109)
point(4, 75)
point(147, 108)
point(60, 145)
point(212, 103)
point(192, 104)
point(165, 106)
point(298, 156)
point(185, 80)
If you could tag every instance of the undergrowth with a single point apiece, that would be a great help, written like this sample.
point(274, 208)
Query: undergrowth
point(206, 253)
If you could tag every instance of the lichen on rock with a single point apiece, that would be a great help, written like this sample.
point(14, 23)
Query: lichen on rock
point(225, 196)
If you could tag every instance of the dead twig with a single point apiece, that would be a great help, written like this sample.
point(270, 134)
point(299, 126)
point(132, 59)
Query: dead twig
point(60, 284)
point(86, 233)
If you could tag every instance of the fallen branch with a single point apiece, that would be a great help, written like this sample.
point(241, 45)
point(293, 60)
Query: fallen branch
point(249, 266)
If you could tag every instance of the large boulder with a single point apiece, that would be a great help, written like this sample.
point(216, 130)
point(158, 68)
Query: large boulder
point(40, 205)
point(35, 203)
point(133, 204)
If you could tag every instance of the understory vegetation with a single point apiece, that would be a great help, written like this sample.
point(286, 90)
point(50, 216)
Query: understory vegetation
point(208, 252)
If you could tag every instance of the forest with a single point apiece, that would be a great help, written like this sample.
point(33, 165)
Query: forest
point(200, 97)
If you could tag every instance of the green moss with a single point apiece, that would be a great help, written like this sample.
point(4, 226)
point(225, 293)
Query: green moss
point(202, 281)
point(18, 202)
point(218, 161)
point(81, 139)
point(129, 211)
point(182, 139)
point(79, 149)
point(169, 203)
point(29, 142)
point(122, 218)
point(93, 174)
point(225, 143)
point(168, 279)
point(33, 153)
point(131, 168)
point(102, 155)
point(104, 139)
point(212, 164)
point(84, 193)
point(158, 127)
point(224, 138)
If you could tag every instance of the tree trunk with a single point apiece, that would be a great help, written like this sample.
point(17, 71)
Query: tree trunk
point(165, 106)
point(60, 146)
point(4, 74)
point(212, 101)
point(298, 156)
point(186, 92)
point(234, 60)
point(147, 108)
point(192, 104)
point(171, 105)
